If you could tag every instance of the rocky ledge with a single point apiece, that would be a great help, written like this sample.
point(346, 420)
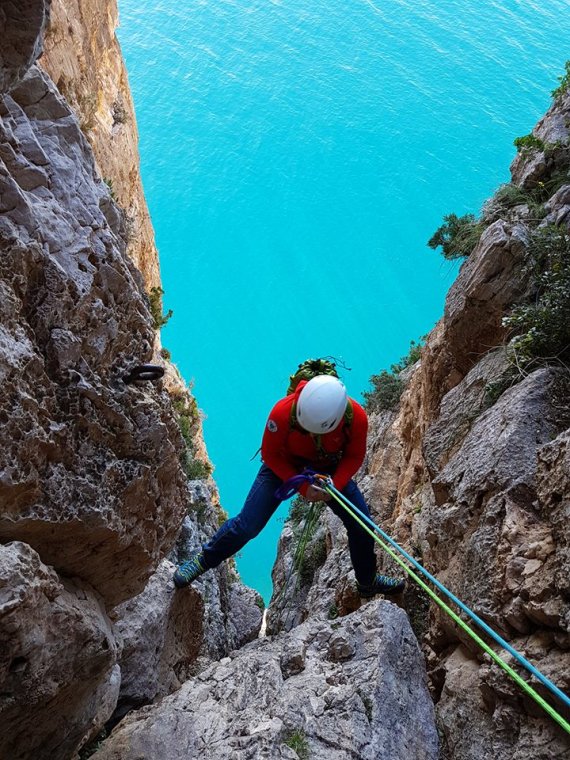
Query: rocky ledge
point(348, 689)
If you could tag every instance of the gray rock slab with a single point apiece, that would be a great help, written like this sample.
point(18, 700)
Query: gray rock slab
point(353, 688)
point(161, 634)
point(458, 409)
point(499, 452)
point(21, 27)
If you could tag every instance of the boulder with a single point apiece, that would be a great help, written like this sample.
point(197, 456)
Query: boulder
point(502, 729)
point(344, 689)
point(161, 634)
point(58, 675)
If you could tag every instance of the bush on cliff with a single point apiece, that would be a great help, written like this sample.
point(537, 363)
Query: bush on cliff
point(385, 394)
point(564, 85)
point(542, 326)
point(188, 416)
point(528, 143)
point(509, 196)
point(155, 302)
point(457, 236)
point(388, 386)
point(411, 357)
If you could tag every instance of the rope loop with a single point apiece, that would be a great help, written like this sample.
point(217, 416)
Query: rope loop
point(290, 487)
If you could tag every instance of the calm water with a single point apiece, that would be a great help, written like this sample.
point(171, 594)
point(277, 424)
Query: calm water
point(296, 156)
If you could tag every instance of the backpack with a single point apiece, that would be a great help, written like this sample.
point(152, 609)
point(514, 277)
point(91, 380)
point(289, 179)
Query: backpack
point(306, 371)
point(309, 369)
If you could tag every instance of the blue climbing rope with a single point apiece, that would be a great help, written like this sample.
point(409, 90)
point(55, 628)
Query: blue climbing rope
point(325, 483)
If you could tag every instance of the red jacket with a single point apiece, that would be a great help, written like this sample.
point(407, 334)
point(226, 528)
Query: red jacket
point(288, 450)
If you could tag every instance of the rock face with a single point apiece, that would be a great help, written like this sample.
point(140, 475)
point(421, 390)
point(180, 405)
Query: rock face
point(161, 632)
point(481, 484)
point(83, 57)
point(21, 28)
point(169, 635)
point(471, 474)
point(352, 688)
point(92, 485)
point(321, 586)
point(232, 611)
point(58, 659)
point(100, 492)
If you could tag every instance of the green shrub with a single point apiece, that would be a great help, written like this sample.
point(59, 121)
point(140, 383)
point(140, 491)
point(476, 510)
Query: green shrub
point(414, 353)
point(221, 515)
point(509, 196)
point(311, 559)
point(564, 82)
point(109, 183)
point(165, 353)
point(457, 236)
point(188, 415)
point(195, 469)
point(411, 357)
point(528, 143)
point(542, 326)
point(386, 392)
point(259, 602)
point(297, 511)
point(310, 552)
point(155, 301)
point(494, 389)
point(387, 387)
point(298, 742)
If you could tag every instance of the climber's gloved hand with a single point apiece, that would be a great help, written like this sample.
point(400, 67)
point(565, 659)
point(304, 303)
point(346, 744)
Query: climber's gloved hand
point(314, 493)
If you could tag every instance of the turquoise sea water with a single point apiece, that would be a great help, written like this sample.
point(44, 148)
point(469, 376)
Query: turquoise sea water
point(296, 157)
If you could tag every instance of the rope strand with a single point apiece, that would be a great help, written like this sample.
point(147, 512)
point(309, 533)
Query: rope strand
point(481, 623)
point(292, 485)
point(505, 666)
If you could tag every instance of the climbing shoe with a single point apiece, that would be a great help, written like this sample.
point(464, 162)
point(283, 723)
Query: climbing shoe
point(190, 570)
point(382, 584)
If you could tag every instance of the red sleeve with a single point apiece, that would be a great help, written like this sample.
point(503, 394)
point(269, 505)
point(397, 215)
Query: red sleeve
point(273, 445)
point(355, 450)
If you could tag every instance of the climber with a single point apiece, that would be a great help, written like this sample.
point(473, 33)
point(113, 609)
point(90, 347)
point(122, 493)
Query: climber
point(316, 426)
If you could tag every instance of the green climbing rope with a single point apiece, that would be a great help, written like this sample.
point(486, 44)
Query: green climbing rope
point(455, 617)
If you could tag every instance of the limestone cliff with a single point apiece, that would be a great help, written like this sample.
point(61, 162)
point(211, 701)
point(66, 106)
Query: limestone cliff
point(471, 473)
point(83, 57)
point(94, 471)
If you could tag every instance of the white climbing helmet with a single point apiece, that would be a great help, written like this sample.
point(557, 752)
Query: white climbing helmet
point(321, 404)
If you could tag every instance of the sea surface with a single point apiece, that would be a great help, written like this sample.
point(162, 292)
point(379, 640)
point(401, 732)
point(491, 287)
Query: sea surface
point(296, 157)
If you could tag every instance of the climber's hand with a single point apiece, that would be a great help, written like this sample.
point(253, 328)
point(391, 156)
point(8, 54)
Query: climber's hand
point(316, 494)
